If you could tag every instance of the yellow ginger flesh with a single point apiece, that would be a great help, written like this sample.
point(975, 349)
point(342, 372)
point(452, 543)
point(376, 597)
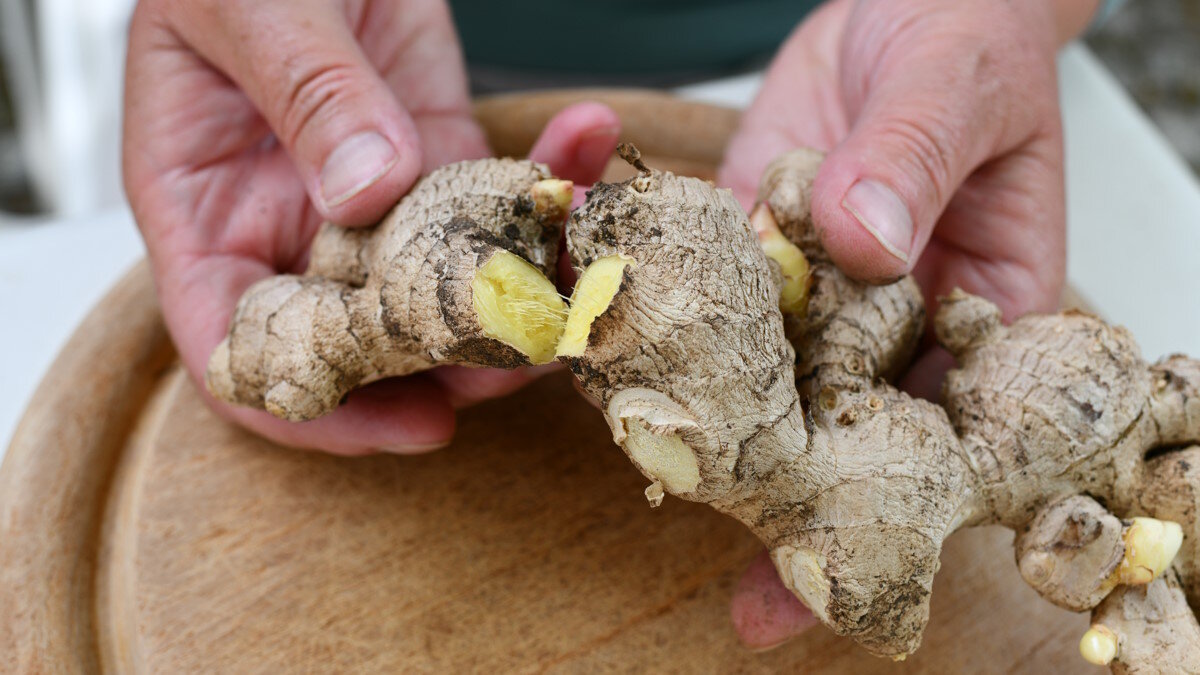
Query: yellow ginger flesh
point(593, 293)
point(517, 305)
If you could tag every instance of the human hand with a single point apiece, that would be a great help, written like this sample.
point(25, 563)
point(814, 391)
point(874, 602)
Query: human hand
point(247, 124)
point(945, 160)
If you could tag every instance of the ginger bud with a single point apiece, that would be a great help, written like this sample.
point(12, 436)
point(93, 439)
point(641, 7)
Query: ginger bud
point(1099, 645)
point(552, 197)
point(1150, 546)
point(793, 293)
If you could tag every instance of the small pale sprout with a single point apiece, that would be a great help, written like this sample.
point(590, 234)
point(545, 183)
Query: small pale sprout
point(517, 305)
point(793, 295)
point(654, 494)
point(593, 293)
point(1099, 645)
point(1150, 546)
point(552, 197)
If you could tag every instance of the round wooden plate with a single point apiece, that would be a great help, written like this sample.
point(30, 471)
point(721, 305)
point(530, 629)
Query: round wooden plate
point(139, 533)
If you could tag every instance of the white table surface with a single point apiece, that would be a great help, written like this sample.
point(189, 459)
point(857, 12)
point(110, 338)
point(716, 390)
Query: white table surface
point(1134, 242)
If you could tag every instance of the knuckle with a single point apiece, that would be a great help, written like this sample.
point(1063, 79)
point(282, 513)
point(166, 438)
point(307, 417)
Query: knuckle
point(928, 148)
point(311, 92)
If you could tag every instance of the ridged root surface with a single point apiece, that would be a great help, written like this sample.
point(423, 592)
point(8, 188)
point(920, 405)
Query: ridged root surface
point(460, 271)
point(852, 484)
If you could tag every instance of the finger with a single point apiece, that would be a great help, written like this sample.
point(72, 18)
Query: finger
point(450, 138)
point(467, 386)
point(1003, 236)
point(929, 106)
point(355, 147)
point(766, 614)
point(417, 49)
point(578, 142)
point(566, 276)
point(925, 377)
point(793, 108)
point(591, 400)
point(405, 416)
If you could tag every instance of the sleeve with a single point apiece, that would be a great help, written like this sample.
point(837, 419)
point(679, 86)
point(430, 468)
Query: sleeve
point(1106, 10)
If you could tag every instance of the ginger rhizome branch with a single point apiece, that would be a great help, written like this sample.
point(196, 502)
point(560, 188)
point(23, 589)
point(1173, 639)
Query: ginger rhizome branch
point(1145, 629)
point(852, 484)
point(460, 271)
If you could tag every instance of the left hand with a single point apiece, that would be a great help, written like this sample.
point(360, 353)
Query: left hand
point(945, 160)
point(247, 124)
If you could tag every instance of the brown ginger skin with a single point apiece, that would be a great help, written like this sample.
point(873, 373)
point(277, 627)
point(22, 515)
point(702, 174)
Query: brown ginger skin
point(388, 300)
point(787, 424)
point(1154, 628)
point(852, 484)
point(713, 367)
point(1071, 552)
point(1051, 407)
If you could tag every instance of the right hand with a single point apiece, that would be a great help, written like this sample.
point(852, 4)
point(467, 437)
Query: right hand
point(943, 136)
point(249, 123)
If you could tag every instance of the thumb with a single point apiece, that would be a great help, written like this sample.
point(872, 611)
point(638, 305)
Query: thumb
point(355, 147)
point(923, 122)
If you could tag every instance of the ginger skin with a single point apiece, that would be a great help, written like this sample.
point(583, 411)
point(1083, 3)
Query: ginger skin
point(852, 484)
point(1053, 426)
point(1152, 626)
point(460, 271)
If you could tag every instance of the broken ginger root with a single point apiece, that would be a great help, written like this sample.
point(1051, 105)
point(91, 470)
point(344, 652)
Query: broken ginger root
point(737, 366)
point(789, 424)
point(460, 271)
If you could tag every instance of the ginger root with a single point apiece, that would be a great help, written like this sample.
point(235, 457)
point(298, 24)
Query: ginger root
point(737, 366)
point(853, 485)
point(460, 271)
point(1145, 629)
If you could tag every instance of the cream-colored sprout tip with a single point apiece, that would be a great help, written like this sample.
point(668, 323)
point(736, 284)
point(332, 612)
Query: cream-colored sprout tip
point(793, 294)
point(655, 494)
point(1099, 645)
point(553, 197)
point(1150, 546)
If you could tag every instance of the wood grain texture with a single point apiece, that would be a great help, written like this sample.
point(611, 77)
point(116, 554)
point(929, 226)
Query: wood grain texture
point(525, 546)
point(54, 481)
point(139, 533)
point(659, 123)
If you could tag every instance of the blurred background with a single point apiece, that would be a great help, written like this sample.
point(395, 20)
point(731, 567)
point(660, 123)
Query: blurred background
point(60, 95)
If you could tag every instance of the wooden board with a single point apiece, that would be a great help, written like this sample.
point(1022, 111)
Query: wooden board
point(139, 533)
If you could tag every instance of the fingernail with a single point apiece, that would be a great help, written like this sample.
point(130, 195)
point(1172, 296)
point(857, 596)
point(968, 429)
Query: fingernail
point(595, 148)
point(883, 214)
point(358, 163)
point(413, 448)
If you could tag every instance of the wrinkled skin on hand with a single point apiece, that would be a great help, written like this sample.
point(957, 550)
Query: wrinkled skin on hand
point(248, 124)
point(945, 161)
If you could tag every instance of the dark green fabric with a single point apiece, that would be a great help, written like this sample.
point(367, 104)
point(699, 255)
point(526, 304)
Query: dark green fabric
point(624, 36)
